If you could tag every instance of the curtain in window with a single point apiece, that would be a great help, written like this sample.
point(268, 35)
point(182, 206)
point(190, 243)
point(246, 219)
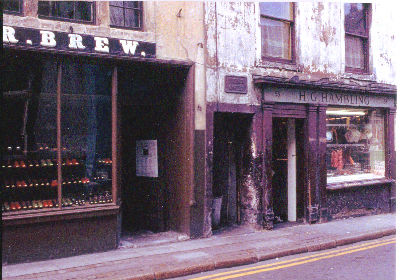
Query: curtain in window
point(354, 52)
point(276, 38)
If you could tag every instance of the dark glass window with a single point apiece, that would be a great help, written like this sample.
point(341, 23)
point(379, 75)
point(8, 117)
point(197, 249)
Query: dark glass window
point(67, 10)
point(277, 24)
point(126, 14)
point(12, 6)
point(356, 29)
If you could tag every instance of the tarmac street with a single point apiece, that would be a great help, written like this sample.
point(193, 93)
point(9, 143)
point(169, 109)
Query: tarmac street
point(368, 260)
point(160, 257)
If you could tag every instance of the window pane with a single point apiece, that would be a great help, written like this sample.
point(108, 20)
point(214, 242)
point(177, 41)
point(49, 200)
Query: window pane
point(277, 10)
point(117, 16)
point(355, 144)
point(131, 4)
point(355, 57)
point(44, 8)
point(355, 20)
point(131, 18)
point(83, 11)
point(117, 3)
point(12, 6)
point(276, 39)
point(64, 9)
point(86, 133)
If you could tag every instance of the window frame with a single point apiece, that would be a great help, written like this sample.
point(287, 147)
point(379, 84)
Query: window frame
point(140, 8)
point(53, 17)
point(20, 6)
point(292, 37)
point(359, 141)
point(365, 42)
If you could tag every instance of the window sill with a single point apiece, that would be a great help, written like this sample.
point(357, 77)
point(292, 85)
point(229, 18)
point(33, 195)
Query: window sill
point(281, 65)
point(357, 183)
point(50, 215)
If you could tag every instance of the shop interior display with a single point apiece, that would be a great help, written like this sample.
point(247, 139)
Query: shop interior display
point(30, 164)
point(355, 144)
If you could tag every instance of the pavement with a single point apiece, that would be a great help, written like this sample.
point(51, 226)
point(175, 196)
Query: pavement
point(169, 255)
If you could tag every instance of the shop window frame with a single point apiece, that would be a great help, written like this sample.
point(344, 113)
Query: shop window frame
point(343, 181)
point(125, 8)
point(291, 37)
point(51, 15)
point(59, 162)
point(365, 39)
point(19, 12)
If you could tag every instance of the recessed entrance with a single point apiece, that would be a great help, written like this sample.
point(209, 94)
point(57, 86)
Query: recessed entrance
point(232, 152)
point(287, 166)
point(154, 132)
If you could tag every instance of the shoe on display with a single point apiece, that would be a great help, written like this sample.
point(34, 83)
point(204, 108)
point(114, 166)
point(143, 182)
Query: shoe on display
point(13, 207)
point(40, 203)
point(24, 205)
point(50, 203)
point(22, 163)
point(7, 206)
point(55, 202)
point(18, 206)
point(29, 205)
point(35, 204)
point(45, 204)
point(16, 164)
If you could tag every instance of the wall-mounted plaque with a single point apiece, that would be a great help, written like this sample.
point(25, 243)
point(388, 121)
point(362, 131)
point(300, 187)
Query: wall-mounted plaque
point(236, 84)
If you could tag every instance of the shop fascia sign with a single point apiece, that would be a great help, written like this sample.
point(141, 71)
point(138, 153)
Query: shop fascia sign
point(62, 41)
point(275, 94)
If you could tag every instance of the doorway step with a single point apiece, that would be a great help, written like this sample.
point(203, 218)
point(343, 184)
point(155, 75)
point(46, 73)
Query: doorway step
point(148, 238)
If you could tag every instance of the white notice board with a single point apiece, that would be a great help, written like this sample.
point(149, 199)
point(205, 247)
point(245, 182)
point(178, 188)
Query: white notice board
point(146, 158)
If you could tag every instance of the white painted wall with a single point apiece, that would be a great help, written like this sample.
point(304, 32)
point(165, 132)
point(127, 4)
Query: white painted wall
point(233, 40)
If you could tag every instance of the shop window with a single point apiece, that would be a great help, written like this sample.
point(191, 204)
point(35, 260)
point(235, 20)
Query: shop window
point(356, 38)
point(32, 165)
point(277, 27)
point(355, 144)
point(81, 11)
point(12, 6)
point(127, 14)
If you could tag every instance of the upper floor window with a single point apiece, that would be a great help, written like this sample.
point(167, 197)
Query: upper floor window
point(277, 31)
point(67, 10)
point(12, 6)
point(356, 28)
point(126, 14)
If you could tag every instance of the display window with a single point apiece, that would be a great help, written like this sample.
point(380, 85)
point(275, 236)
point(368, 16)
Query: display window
point(57, 136)
point(355, 144)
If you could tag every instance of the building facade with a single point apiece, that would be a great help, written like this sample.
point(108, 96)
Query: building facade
point(98, 122)
point(301, 103)
point(120, 117)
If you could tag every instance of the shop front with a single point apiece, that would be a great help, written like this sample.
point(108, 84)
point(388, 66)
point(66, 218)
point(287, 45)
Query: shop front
point(96, 137)
point(329, 149)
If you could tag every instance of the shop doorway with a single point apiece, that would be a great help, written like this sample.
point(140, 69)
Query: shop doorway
point(154, 134)
point(231, 153)
point(288, 169)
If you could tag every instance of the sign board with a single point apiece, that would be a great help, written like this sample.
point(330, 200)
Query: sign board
point(276, 94)
point(236, 84)
point(146, 158)
point(79, 43)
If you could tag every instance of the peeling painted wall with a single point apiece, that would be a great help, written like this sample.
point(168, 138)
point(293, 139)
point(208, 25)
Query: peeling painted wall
point(233, 38)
